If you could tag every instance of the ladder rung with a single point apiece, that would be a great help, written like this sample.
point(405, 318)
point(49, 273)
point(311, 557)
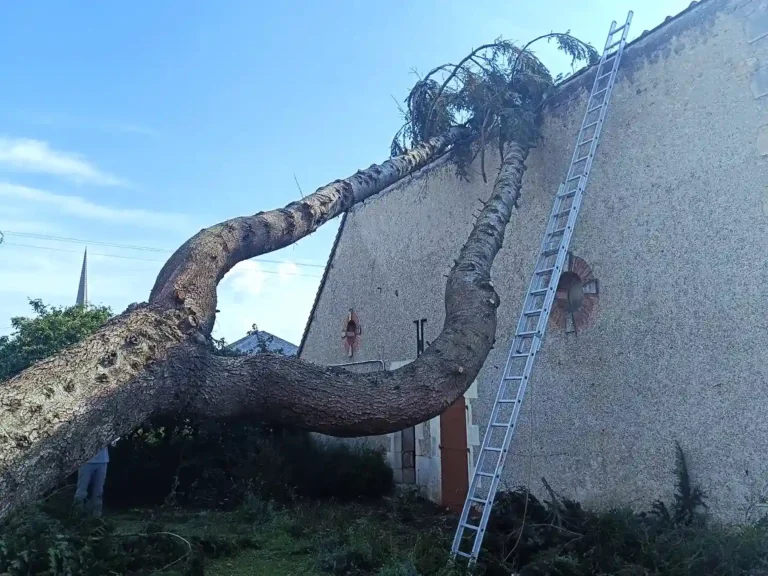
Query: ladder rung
point(619, 29)
point(553, 245)
point(464, 554)
point(591, 124)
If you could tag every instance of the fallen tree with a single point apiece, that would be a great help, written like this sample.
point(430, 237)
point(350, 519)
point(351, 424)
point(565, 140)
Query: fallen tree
point(156, 356)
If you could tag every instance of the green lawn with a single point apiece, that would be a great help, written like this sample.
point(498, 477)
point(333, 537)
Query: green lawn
point(397, 536)
point(312, 539)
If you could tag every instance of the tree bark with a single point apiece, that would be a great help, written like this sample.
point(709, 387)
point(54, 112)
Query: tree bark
point(189, 278)
point(334, 401)
point(156, 357)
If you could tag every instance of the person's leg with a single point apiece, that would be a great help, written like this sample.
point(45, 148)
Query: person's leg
point(83, 481)
point(97, 488)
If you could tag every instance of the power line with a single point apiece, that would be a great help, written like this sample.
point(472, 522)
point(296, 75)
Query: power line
point(126, 247)
point(284, 273)
point(90, 242)
point(78, 252)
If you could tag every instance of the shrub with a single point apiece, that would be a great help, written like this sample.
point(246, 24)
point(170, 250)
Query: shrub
point(360, 549)
point(400, 568)
point(208, 463)
point(558, 537)
point(36, 542)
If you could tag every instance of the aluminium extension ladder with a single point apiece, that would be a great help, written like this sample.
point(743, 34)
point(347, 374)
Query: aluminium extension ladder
point(538, 303)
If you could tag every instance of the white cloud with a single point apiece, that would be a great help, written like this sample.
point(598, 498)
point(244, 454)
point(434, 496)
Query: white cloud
point(26, 155)
point(287, 271)
point(245, 279)
point(82, 208)
point(276, 298)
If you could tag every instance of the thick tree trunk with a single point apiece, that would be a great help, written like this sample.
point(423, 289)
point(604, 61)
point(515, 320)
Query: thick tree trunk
point(190, 276)
point(155, 357)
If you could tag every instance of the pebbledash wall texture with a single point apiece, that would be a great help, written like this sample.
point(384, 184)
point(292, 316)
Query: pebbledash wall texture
point(674, 345)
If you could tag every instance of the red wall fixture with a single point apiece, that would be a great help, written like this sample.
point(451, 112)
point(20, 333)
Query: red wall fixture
point(350, 333)
point(576, 299)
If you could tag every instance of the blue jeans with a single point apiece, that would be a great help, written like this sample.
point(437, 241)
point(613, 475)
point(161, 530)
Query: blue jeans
point(93, 476)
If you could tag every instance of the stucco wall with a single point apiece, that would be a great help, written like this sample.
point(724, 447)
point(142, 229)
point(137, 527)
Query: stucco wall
point(674, 227)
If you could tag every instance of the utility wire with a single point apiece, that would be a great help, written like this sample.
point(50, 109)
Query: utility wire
point(124, 246)
point(285, 273)
point(78, 252)
point(90, 242)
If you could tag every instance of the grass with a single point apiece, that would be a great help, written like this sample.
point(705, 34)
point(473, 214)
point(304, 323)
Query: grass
point(313, 539)
point(387, 536)
point(278, 558)
point(405, 536)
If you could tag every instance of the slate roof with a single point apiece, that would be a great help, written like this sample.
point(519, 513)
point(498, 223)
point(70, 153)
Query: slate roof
point(250, 344)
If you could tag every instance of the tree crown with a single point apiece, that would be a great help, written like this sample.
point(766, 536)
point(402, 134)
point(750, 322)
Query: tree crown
point(51, 329)
point(495, 92)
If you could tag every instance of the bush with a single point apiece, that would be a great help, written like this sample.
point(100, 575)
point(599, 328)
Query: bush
point(401, 568)
point(558, 537)
point(37, 542)
point(360, 549)
point(207, 463)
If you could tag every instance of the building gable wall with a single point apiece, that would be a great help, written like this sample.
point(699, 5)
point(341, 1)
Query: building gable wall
point(673, 226)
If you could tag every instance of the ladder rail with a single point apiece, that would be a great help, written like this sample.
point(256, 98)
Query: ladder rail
point(536, 290)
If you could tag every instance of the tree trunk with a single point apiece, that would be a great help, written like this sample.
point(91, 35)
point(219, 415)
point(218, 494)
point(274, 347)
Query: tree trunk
point(189, 278)
point(156, 357)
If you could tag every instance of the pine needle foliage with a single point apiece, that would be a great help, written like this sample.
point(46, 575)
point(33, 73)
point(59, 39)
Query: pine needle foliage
point(495, 92)
point(688, 500)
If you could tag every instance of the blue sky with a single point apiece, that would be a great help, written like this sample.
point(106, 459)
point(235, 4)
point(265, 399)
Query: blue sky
point(140, 123)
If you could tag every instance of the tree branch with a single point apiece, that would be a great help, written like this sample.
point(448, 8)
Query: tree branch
point(156, 357)
point(340, 403)
point(61, 411)
point(188, 280)
point(451, 77)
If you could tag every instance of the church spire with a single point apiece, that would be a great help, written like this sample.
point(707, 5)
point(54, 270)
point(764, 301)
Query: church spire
point(82, 290)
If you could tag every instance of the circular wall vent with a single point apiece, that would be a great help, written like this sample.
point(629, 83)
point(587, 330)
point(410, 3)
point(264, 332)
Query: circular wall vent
point(575, 304)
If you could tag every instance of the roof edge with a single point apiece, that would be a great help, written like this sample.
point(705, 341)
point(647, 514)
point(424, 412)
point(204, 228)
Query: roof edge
point(440, 160)
point(320, 288)
point(636, 51)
